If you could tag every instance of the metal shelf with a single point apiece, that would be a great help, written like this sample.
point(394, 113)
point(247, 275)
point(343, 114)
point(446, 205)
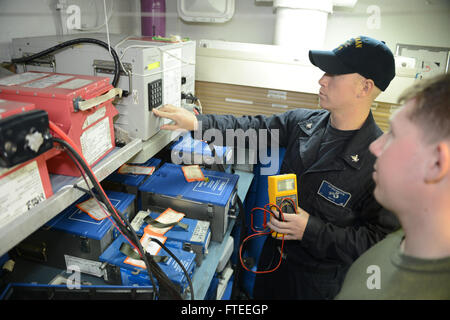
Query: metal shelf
point(64, 194)
point(153, 145)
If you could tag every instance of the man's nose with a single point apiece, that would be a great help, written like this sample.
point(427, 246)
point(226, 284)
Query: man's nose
point(323, 81)
point(377, 146)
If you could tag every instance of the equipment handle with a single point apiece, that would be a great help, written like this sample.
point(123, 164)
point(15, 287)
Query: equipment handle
point(88, 104)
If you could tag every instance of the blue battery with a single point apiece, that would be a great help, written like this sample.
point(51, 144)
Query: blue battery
point(195, 235)
point(209, 200)
point(129, 182)
point(74, 238)
point(191, 151)
point(74, 221)
point(130, 275)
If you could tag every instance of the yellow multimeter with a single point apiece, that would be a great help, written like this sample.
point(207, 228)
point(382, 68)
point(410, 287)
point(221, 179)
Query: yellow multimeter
point(282, 189)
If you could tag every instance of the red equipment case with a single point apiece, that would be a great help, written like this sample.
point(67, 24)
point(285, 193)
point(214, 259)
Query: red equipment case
point(80, 105)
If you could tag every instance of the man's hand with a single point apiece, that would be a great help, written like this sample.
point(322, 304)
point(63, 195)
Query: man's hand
point(183, 118)
point(293, 226)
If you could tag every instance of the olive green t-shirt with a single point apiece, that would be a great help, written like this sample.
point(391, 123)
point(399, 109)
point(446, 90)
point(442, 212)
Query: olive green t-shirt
point(384, 272)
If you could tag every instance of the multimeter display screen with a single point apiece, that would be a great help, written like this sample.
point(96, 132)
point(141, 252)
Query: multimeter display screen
point(284, 185)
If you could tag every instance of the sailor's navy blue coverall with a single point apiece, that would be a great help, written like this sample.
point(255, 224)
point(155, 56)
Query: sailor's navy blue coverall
point(336, 190)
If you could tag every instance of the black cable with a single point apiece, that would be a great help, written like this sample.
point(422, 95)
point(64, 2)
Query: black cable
point(79, 162)
point(93, 195)
point(71, 43)
point(191, 287)
point(189, 96)
point(159, 272)
point(123, 224)
point(89, 191)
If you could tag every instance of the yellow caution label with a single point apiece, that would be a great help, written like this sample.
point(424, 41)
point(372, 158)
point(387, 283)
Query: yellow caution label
point(153, 65)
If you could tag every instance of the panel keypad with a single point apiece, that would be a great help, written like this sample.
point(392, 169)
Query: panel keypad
point(154, 94)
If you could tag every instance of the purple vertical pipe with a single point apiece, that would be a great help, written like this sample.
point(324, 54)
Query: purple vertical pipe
point(153, 17)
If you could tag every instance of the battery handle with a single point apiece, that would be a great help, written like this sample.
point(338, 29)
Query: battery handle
point(83, 105)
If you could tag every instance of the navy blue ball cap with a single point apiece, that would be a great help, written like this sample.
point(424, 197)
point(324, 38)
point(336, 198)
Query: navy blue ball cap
point(369, 57)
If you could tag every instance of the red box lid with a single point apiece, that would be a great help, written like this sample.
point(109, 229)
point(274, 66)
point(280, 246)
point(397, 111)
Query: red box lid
point(9, 108)
point(55, 85)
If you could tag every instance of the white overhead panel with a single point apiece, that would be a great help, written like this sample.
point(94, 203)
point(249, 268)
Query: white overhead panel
point(215, 11)
point(301, 24)
point(344, 3)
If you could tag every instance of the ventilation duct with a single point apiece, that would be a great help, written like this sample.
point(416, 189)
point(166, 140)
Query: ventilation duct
point(302, 24)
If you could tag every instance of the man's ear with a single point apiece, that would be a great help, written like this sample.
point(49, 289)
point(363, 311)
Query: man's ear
point(367, 88)
point(439, 165)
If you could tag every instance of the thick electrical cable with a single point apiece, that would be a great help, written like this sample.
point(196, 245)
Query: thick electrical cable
point(162, 245)
point(89, 190)
point(119, 223)
point(72, 42)
point(151, 265)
